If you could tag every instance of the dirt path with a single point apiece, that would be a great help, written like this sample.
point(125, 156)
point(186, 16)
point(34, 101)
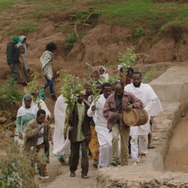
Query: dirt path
point(59, 176)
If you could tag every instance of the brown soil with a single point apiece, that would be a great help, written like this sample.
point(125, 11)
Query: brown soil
point(60, 176)
point(176, 160)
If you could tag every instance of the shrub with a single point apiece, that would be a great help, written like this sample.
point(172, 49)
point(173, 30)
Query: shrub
point(15, 166)
point(33, 85)
point(139, 32)
point(9, 94)
point(70, 40)
point(127, 58)
point(149, 75)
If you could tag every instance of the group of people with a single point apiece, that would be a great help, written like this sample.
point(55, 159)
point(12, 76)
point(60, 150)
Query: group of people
point(99, 129)
point(17, 61)
point(95, 125)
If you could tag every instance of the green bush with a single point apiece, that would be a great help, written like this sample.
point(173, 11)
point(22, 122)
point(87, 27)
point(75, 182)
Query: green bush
point(9, 94)
point(70, 40)
point(139, 32)
point(149, 75)
point(127, 58)
point(15, 166)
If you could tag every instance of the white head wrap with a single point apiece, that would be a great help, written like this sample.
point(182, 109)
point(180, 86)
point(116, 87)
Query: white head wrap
point(23, 110)
point(102, 67)
point(22, 38)
point(24, 44)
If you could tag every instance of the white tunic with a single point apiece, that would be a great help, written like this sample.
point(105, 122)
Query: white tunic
point(151, 104)
point(104, 137)
point(44, 107)
point(61, 145)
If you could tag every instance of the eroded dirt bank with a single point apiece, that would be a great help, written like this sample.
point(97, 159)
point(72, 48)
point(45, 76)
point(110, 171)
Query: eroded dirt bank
point(177, 157)
point(101, 45)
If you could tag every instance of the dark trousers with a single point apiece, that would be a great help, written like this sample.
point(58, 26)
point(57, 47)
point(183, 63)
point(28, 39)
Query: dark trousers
point(51, 84)
point(15, 71)
point(74, 158)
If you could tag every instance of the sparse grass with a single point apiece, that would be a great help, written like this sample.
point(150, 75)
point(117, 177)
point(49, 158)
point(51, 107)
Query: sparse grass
point(64, 5)
point(5, 23)
point(39, 1)
point(40, 12)
point(134, 13)
point(5, 4)
point(25, 28)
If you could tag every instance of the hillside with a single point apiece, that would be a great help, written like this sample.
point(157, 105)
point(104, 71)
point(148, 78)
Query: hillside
point(94, 31)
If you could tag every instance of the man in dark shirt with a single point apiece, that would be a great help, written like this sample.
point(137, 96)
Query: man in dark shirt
point(80, 136)
point(115, 105)
point(13, 57)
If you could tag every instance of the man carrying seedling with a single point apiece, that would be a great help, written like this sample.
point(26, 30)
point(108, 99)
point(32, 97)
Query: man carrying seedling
point(79, 135)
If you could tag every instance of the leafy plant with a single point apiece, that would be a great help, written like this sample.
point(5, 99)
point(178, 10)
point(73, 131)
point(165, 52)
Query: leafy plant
point(82, 15)
point(149, 75)
point(127, 58)
point(95, 92)
point(9, 94)
point(15, 165)
point(113, 79)
point(33, 85)
point(70, 40)
point(139, 32)
point(85, 16)
point(70, 86)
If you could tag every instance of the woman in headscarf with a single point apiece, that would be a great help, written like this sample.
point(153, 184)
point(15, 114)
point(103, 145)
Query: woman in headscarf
point(25, 113)
point(103, 74)
point(23, 79)
point(39, 97)
point(24, 44)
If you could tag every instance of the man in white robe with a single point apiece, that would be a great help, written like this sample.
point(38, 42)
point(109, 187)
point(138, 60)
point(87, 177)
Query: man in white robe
point(139, 134)
point(61, 147)
point(103, 134)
